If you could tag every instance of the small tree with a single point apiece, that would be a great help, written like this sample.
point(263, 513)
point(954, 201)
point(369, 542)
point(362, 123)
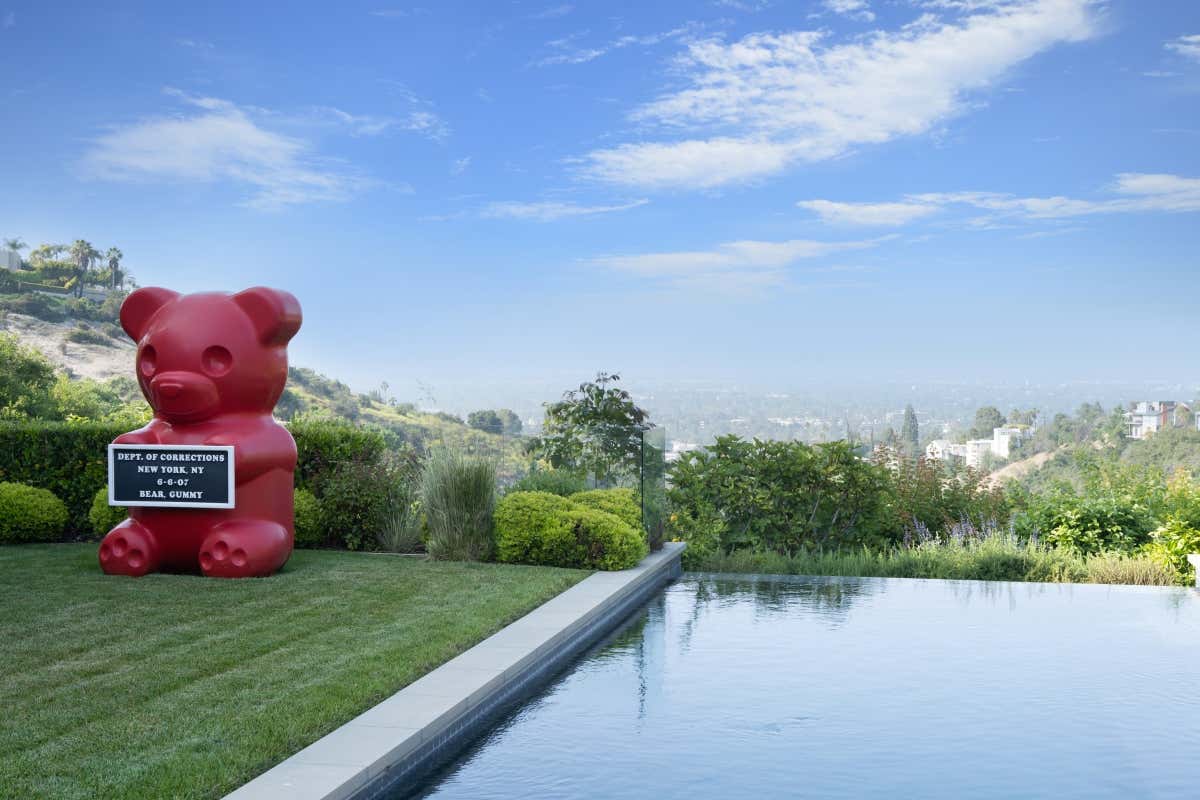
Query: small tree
point(487, 421)
point(510, 422)
point(987, 419)
point(596, 428)
point(910, 435)
point(115, 277)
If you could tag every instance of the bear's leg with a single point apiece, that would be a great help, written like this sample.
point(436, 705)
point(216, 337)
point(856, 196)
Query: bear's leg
point(129, 549)
point(245, 548)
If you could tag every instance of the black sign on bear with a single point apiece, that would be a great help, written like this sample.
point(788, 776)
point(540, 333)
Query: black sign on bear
point(170, 476)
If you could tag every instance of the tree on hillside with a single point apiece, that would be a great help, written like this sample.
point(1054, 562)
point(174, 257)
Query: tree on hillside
point(1019, 417)
point(596, 428)
point(986, 420)
point(16, 244)
point(487, 421)
point(510, 421)
point(910, 436)
point(26, 381)
point(84, 255)
point(115, 277)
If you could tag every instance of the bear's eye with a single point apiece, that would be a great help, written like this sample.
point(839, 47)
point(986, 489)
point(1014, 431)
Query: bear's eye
point(216, 360)
point(148, 362)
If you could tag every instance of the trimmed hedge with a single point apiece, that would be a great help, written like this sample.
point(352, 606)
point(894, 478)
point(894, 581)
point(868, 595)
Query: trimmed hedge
point(103, 516)
point(29, 514)
point(621, 502)
point(546, 529)
point(69, 459)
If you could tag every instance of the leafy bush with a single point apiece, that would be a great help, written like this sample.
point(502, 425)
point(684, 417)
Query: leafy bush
point(555, 481)
point(623, 503)
point(1091, 524)
point(82, 334)
point(783, 496)
point(535, 528)
point(322, 443)
point(927, 492)
point(1138, 570)
point(354, 498)
point(29, 514)
point(546, 529)
point(307, 518)
point(1171, 543)
point(103, 516)
point(458, 495)
point(702, 530)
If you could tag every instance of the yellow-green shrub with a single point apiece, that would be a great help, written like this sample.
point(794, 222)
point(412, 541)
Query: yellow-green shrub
point(307, 518)
point(622, 502)
point(546, 529)
point(28, 514)
point(103, 516)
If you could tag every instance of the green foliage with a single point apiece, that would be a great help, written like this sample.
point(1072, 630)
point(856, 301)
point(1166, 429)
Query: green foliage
point(39, 306)
point(546, 529)
point(354, 497)
point(26, 378)
point(595, 428)
point(910, 435)
point(29, 514)
point(69, 459)
point(703, 530)
point(783, 496)
point(930, 493)
point(487, 421)
point(458, 496)
point(1142, 569)
point(103, 516)
point(1172, 542)
point(510, 423)
point(555, 481)
point(986, 420)
point(82, 334)
point(1091, 524)
point(404, 525)
point(623, 503)
point(307, 519)
point(535, 528)
point(323, 443)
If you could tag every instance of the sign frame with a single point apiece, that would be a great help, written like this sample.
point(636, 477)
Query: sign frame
point(113, 448)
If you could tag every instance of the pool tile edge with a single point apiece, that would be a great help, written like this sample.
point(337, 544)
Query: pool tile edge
point(365, 759)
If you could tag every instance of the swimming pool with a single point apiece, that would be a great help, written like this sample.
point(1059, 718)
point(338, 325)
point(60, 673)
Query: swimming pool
point(728, 686)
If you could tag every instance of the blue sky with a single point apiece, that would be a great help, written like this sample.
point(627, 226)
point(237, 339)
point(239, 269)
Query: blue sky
point(782, 193)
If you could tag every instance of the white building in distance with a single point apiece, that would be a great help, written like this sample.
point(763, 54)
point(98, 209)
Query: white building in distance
point(974, 451)
point(1147, 417)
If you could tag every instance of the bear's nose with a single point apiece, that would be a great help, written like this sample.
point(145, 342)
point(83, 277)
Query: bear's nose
point(170, 390)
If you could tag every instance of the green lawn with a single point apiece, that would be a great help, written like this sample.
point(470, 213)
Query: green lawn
point(176, 686)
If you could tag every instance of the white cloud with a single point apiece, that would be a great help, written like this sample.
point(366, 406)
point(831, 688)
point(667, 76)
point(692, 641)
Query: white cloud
point(746, 265)
point(773, 100)
point(549, 211)
point(221, 142)
point(399, 13)
point(1186, 46)
point(554, 12)
point(882, 214)
point(748, 6)
point(572, 54)
point(460, 165)
point(857, 9)
point(1134, 192)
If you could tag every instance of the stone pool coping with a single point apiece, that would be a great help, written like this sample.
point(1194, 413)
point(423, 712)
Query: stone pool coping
point(402, 739)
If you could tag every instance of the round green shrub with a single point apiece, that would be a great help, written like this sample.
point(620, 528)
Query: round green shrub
point(308, 518)
point(607, 540)
point(534, 528)
point(546, 529)
point(622, 502)
point(103, 516)
point(28, 514)
point(354, 499)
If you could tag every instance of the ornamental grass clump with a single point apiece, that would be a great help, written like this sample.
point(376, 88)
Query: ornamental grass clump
point(458, 496)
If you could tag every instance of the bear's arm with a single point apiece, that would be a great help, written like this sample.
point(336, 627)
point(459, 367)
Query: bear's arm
point(258, 452)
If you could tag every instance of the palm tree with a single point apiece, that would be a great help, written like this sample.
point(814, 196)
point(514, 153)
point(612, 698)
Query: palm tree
point(84, 254)
point(16, 244)
point(114, 256)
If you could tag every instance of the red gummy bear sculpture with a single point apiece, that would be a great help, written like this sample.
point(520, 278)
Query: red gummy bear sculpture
point(212, 366)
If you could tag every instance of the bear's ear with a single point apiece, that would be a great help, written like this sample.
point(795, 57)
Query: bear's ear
point(140, 306)
point(275, 313)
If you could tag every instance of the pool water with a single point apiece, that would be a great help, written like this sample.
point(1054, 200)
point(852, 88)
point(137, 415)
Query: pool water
point(825, 687)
